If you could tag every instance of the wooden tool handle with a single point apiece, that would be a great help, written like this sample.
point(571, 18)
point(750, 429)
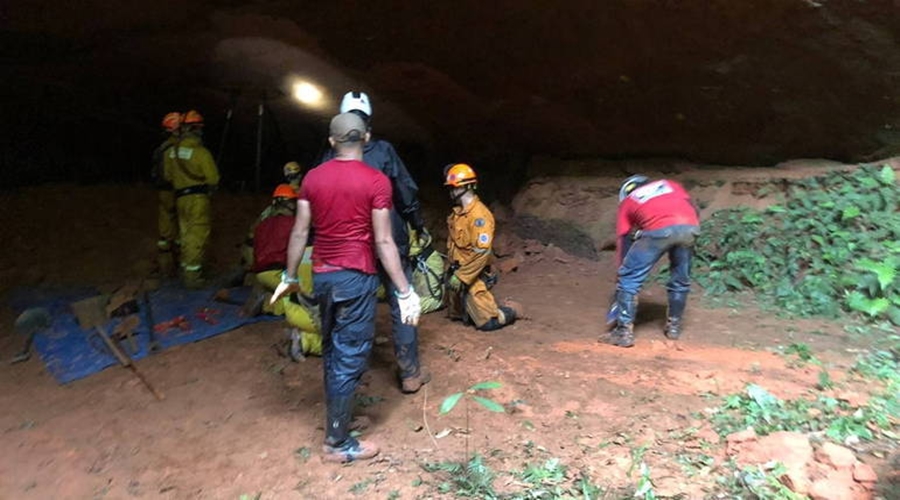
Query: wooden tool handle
point(128, 362)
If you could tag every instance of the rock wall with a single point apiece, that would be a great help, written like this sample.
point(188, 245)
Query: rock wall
point(577, 206)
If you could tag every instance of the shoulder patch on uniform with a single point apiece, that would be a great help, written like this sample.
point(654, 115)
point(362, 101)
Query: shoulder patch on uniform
point(484, 238)
point(479, 222)
point(185, 153)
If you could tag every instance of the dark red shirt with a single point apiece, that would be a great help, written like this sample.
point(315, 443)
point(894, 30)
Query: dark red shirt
point(341, 196)
point(270, 242)
point(656, 205)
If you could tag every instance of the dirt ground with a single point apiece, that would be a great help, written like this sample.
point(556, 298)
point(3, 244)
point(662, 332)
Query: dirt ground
point(241, 420)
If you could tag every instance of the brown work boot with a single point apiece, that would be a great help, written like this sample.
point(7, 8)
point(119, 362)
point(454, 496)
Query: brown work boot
point(412, 385)
point(357, 450)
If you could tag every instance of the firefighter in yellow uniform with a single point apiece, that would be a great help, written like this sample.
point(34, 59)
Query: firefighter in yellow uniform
point(293, 174)
point(471, 234)
point(191, 170)
point(167, 217)
point(268, 258)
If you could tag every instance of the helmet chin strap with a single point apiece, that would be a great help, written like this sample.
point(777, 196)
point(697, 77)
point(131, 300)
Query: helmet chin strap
point(457, 198)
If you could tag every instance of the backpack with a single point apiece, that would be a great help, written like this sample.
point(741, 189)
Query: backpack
point(428, 277)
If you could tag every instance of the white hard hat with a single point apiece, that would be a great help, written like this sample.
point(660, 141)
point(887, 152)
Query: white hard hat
point(631, 184)
point(356, 101)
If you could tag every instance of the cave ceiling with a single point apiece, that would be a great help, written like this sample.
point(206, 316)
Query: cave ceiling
point(734, 82)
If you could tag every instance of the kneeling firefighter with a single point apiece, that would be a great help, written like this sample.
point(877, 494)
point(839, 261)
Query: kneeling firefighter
point(469, 244)
point(269, 258)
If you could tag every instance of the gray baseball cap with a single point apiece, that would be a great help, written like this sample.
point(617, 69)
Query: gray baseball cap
point(347, 127)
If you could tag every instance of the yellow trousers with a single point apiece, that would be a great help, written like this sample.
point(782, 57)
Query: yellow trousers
point(477, 303)
point(296, 314)
point(193, 229)
point(168, 217)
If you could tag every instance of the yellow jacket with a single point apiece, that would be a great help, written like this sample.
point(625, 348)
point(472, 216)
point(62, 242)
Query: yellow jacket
point(469, 243)
point(193, 165)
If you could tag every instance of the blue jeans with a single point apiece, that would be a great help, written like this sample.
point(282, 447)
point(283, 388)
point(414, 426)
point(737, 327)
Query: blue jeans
point(406, 337)
point(645, 252)
point(347, 301)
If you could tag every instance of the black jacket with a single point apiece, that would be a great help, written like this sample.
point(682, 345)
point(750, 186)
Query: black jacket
point(382, 156)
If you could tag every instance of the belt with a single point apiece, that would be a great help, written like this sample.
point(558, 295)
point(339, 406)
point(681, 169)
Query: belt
point(196, 189)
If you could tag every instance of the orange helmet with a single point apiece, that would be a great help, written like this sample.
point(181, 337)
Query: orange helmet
point(172, 121)
point(284, 191)
point(459, 175)
point(193, 117)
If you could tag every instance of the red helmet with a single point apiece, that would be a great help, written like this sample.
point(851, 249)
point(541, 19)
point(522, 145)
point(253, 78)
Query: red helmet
point(172, 121)
point(193, 117)
point(284, 191)
point(460, 174)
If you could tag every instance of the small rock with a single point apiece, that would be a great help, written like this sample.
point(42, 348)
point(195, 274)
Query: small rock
point(837, 486)
point(558, 254)
point(864, 473)
point(854, 399)
point(508, 264)
point(748, 434)
point(533, 247)
point(657, 346)
point(708, 435)
point(505, 244)
point(796, 481)
point(836, 456)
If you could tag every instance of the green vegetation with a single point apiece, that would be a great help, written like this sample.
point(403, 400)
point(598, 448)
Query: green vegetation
point(832, 245)
point(759, 482)
point(471, 394)
point(473, 479)
point(547, 480)
point(765, 413)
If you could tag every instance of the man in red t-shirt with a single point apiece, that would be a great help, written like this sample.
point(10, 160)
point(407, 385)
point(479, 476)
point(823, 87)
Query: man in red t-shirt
point(654, 218)
point(348, 204)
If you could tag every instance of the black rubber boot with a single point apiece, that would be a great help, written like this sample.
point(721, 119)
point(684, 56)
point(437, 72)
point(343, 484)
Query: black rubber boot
point(339, 445)
point(677, 304)
point(407, 358)
point(623, 334)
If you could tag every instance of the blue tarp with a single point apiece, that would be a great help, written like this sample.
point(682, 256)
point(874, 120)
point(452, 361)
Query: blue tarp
point(71, 353)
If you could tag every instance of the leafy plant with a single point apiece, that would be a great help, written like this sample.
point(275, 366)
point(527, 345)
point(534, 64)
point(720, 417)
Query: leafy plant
point(765, 413)
point(881, 365)
point(472, 394)
point(545, 480)
point(760, 482)
point(801, 350)
point(360, 487)
point(644, 489)
point(794, 255)
point(471, 479)
point(451, 400)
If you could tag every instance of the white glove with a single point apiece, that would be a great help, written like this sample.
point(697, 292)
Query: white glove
point(410, 307)
point(287, 286)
